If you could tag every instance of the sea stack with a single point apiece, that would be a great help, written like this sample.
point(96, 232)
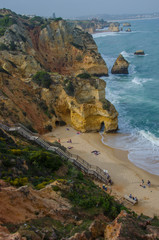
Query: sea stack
point(139, 52)
point(120, 66)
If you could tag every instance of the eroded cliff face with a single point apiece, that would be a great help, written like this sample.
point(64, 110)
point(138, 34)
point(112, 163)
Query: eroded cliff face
point(86, 109)
point(65, 51)
point(58, 46)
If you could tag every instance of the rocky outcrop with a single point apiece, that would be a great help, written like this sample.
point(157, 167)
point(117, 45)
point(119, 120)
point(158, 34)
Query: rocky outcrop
point(23, 203)
point(126, 227)
point(114, 27)
point(120, 66)
point(91, 26)
point(87, 109)
point(64, 50)
point(139, 52)
point(57, 46)
point(6, 235)
point(128, 30)
point(126, 24)
point(95, 231)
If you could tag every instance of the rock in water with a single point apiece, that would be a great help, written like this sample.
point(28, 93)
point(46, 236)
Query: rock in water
point(120, 66)
point(128, 30)
point(139, 52)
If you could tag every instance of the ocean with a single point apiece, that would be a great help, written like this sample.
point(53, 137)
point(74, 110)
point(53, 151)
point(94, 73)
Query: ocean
point(136, 95)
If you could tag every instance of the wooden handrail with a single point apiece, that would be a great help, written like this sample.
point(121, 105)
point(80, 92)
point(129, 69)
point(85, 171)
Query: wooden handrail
point(77, 160)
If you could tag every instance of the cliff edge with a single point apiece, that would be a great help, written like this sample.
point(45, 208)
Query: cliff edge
point(34, 47)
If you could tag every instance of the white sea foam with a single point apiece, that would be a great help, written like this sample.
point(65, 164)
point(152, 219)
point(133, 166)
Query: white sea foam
point(140, 81)
point(132, 69)
point(126, 54)
point(105, 34)
point(150, 137)
point(143, 148)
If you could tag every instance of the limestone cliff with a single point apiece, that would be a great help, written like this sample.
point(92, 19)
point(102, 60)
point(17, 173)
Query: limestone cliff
point(126, 227)
point(58, 47)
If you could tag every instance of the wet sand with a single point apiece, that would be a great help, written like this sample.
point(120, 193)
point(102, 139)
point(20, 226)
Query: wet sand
point(125, 176)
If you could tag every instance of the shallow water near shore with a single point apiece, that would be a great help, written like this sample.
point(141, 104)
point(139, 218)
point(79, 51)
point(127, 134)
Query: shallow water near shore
point(135, 96)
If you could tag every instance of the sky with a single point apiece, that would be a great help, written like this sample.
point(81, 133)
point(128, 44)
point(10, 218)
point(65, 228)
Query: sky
point(76, 8)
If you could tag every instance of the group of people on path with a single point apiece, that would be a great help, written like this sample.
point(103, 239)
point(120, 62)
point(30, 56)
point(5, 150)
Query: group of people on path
point(143, 185)
point(134, 198)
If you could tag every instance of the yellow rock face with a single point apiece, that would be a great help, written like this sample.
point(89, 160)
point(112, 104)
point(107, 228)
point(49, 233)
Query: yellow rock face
point(85, 110)
point(64, 51)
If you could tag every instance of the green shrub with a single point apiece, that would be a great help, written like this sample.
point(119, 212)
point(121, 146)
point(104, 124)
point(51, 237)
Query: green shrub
point(69, 88)
point(45, 159)
point(19, 181)
point(12, 46)
point(41, 185)
point(79, 58)
point(58, 19)
point(84, 75)
point(8, 163)
point(56, 188)
point(106, 105)
point(16, 151)
point(3, 47)
point(37, 19)
point(7, 21)
point(80, 176)
point(2, 31)
point(48, 128)
point(43, 79)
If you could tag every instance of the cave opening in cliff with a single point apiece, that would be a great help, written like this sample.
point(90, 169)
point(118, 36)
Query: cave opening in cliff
point(102, 127)
point(60, 123)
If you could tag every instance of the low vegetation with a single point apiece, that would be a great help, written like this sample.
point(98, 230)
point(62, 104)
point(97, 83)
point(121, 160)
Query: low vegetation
point(3, 47)
point(43, 79)
point(69, 88)
point(106, 105)
point(84, 75)
point(5, 22)
point(43, 167)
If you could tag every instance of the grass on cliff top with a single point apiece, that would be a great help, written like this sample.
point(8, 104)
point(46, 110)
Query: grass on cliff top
point(6, 22)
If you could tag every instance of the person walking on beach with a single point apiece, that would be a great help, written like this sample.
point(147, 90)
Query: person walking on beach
point(148, 183)
point(142, 181)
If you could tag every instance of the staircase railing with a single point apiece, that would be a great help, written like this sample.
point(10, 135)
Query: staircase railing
point(77, 160)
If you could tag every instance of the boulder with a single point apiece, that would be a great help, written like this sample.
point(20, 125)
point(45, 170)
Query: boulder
point(120, 66)
point(128, 30)
point(113, 27)
point(126, 24)
point(139, 52)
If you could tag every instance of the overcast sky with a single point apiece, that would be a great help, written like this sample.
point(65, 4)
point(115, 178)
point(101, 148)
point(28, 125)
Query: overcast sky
point(73, 8)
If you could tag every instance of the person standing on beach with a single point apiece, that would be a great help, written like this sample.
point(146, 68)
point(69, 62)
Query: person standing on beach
point(148, 183)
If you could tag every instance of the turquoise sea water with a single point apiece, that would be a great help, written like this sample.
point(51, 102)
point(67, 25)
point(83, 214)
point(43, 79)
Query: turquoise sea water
point(136, 95)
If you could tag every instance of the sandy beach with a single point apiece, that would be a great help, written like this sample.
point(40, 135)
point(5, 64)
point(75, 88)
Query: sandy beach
point(126, 176)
